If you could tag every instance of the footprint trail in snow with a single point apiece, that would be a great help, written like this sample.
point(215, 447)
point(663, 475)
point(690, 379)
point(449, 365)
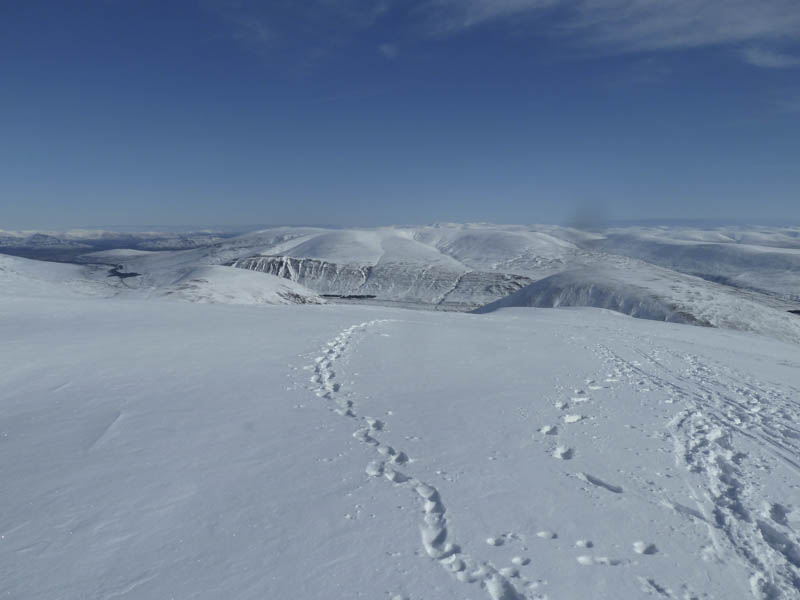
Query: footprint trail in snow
point(720, 411)
point(391, 463)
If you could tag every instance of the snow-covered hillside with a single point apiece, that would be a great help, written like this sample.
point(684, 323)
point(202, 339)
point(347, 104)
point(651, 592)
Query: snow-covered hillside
point(226, 285)
point(761, 259)
point(393, 264)
point(600, 288)
point(154, 450)
point(21, 277)
point(640, 290)
point(25, 277)
point(739, 278)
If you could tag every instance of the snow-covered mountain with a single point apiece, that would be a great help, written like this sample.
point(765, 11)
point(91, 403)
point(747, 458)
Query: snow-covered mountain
point(645, 291)
point(740, 278)
point(766, 260)
point(25, 277)
point(21, 277)
point(401, 265)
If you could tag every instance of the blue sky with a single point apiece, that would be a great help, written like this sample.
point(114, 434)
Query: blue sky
point(348, 112)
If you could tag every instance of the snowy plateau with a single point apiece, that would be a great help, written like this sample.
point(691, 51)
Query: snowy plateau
point(454, 412)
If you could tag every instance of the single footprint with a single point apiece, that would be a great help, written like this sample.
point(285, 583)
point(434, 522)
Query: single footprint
point(386, 450)
point(400, 458)
point(496, 541)
point(394, 476)
point(644, 548)
point(374, 424)
point(549, 430)
point(779, 514)
point(563, 453)
point(573, 418)
point(547, 535)
point(426, 491)
point(374, 469)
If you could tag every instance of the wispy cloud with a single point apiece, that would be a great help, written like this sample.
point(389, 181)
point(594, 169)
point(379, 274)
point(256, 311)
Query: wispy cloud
point(634, 25)
point(390, 51)
point(761, 57)
point(452, 16)
point(252, 32)
point(789, 105)
point(312, 26)
point(643, 25)
point(611, 26)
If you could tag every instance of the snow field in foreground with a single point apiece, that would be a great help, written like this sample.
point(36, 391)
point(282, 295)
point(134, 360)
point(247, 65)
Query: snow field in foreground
point(162, 450)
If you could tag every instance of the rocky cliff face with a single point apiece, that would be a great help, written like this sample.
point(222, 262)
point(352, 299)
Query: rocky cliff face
point(395, 281)
point(321, 276)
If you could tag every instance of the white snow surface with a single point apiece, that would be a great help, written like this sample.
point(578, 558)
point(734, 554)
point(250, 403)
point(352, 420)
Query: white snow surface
point(154, 450)
point(22, 277)
point(25, 277)
point(226, 285)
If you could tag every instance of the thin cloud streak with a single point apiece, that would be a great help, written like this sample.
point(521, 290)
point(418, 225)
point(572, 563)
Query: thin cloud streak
point(789, 106)
point(314, 27)
point(759, 57)
point(443, 17)
point(609, 26)
point(637, 25)
point(642, 25)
